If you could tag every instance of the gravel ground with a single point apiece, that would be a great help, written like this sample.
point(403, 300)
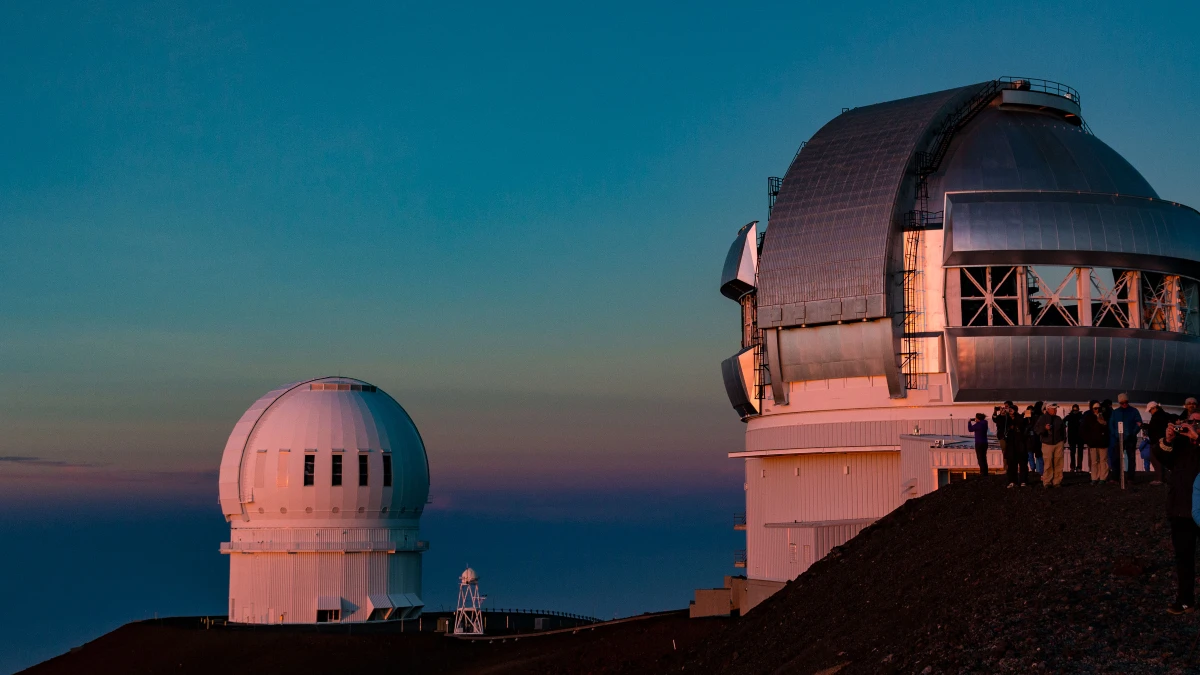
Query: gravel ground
point(977, 578)
point(651, 645)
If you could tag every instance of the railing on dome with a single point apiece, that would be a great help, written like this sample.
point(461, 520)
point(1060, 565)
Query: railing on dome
point(321, 546)
point(739, 558)
point(1044, 86)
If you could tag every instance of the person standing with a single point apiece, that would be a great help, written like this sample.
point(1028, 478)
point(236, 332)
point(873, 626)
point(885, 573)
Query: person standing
point(1095, 437)
point(1000, 418)
point(1183, 460)
point(1033, 443)
point(979, 425)
point(1014, 431)
point(1074, 422)
point(1123, 428)
point(1156, 430)
point(1053, 434)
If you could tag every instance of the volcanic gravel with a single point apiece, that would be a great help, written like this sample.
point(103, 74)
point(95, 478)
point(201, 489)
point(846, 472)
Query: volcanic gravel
point(978, 578)
point(653, 644)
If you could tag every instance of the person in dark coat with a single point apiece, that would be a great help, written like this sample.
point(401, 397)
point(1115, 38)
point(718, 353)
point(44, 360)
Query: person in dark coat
point(1074, 422)
point(1184, 462)
point(1000, 418)
point(1156, 430)
point(1033, 442)
point(1094, 427)
point(1014, 432)
point(979, 426)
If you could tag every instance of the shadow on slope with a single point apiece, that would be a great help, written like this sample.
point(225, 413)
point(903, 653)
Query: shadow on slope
point(977, 578)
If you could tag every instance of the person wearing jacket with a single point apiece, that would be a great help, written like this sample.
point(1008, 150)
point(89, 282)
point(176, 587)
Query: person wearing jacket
point(1014, 442)
point(1095, 436)
point(1156, 430)
point(1053, 434)
point(1126, 417)
point(1000, 418)
point(1074, 420)
point(979, 426)
point(1033, 444)
point(1183, 460)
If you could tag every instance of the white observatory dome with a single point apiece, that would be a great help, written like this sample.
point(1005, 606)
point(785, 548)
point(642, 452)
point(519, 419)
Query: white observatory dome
point(333, 473)
point(468, 576)
point(329, 449)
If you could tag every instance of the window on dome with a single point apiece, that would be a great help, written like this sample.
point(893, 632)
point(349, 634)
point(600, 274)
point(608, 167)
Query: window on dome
point(337, 470)
point(387, 470)
point(281, 477)
point(310, 469)
point(362, 470)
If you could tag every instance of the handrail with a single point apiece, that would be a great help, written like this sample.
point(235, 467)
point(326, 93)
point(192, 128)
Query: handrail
point(1044, 86)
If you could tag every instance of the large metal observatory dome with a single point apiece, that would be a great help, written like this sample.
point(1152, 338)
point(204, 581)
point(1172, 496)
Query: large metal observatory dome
point(323, 483)
point(926, 259)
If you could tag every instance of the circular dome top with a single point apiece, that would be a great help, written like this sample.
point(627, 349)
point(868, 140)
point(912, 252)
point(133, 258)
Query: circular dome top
point(332, 448)
point(468, 576)
point(1022, 149)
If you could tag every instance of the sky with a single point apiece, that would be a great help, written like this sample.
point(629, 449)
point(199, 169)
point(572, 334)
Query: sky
point(509, 216)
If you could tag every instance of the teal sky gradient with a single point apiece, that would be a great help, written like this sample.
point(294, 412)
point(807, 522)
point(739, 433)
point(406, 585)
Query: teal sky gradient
point(512, 218)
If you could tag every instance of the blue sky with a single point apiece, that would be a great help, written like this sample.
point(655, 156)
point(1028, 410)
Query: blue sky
point(510, 217)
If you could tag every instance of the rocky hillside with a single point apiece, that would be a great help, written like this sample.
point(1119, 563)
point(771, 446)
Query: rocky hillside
point(977, 578)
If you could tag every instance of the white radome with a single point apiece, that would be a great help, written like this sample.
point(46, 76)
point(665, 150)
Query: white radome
point(323, 483)
point(468, 577)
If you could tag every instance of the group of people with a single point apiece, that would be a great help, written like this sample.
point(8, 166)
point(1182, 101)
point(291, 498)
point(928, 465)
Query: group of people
point(1043, 442)
point(1168, 443)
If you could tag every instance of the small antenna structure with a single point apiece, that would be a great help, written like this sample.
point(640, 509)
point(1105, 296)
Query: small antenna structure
point(468, 618)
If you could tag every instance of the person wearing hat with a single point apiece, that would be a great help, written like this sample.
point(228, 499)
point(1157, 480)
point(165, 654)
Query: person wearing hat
point(1095, 437)
point(1123, 426)
point(1053, 434)
point(1156, 429)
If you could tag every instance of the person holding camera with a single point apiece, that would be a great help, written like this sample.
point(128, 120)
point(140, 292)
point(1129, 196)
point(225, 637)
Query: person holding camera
point(1000, 417)
point(1095, 437)
point(1156, 430)
point(979, 426)
point(1014, 448)
point(1053, 434)
point(1181, 454)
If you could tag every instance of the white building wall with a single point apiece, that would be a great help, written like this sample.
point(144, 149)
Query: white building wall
point(812, 488)
point(286, 587)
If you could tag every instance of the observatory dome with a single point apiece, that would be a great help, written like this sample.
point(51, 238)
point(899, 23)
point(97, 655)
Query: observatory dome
point(329, 449)
point(1021, 149)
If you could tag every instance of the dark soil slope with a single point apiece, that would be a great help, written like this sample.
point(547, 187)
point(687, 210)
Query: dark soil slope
point(977, 578)
point(651, 645)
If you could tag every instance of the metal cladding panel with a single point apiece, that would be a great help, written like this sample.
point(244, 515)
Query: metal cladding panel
point(829, 487)
point(1021, 150)
point(1069, 228)
point(1013, 363)
point(833, 435)
point(831, 226)
point(741, 263)
point(857, 349)
point(739, 384)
